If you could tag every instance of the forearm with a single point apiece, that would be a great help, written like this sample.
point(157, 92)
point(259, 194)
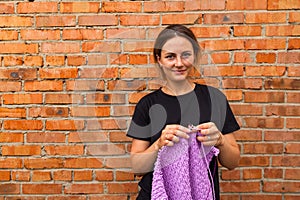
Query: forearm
point(143, 162)
point(229, 155)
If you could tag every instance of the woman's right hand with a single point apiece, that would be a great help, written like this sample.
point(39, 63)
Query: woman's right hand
point(171, 134)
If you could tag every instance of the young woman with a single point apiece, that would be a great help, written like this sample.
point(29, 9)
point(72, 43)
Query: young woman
point(161, 118)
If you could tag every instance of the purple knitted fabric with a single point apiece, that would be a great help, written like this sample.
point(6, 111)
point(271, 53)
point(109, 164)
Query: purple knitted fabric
point(182, 172)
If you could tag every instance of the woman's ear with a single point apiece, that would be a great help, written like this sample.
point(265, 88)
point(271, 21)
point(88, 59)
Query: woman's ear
point(158, 60)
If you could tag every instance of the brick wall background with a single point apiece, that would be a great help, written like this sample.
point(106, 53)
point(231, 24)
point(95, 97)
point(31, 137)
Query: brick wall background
point(72, 71)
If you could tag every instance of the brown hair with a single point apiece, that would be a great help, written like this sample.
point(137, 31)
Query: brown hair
point(172, 31)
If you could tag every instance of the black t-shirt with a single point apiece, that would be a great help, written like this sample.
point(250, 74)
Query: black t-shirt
point(158, 109)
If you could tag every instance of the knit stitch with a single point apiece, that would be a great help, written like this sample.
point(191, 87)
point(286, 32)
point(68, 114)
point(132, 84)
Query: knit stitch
point(182, 172)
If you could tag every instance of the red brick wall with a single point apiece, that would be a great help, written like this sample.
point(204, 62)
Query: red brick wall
point(71, 73)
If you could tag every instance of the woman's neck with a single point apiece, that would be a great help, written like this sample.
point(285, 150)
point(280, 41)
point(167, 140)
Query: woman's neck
point(176, 89)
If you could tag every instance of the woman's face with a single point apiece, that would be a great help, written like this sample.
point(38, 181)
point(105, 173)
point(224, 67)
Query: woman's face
point(177, 58)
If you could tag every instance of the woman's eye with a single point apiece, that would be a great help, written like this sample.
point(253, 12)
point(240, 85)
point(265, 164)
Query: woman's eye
point(186, 55)
point(170, 57)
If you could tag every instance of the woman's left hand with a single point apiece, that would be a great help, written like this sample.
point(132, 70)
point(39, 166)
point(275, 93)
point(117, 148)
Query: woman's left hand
point(210, 134)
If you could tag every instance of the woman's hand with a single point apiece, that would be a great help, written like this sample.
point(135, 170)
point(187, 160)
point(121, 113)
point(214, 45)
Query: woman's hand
point(171, 134)
point(210, 134)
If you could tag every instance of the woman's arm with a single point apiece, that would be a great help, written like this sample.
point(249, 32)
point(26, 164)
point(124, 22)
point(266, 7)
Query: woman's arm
point(229, 155)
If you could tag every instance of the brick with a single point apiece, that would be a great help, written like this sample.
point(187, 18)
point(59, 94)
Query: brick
point(92, 188)
point(4, 175)
point(96, 60)
point(12, 60)
point(252, 174)
point(90, 85)
point(99, 111)
point(64, 124)
point(282, 186)
point(18, 73)
point(288, 30)
point(11, 163)
point(104, 175)
point(293, 71)
point(292, 174)
point(118, 59)
point(83, 175)
point(40, 34)
point(82, 34)
point(123, 110)
point(60, 47)
point(116, 7)
point(105, 149)
point(7, 8)
point(55, 60)
point(247, 109)
point(282, 135)
point(223, 45)
point(289, 57)
point(106, 124)
point(265, 17)
point(279, 83)
point(294, 16)
point(265, 71)
point(283, 4)
point(9, 188)
point(79, 7)
point(33, 61)
point(124, 176)
point(207, 32)
point(138, 72)
point(291, 161)
point(107, 72)
point(279, 110)
point(265, 57)
point(126, 85)
point(105, 98)
point(120, 162)
point(63, 98)
point(8, 35)
point(137, 46)
point(22, 150)
point(16, 21)
point(292, 148)
point(220, 58)
point(234, 95)
point(292, 123)
point(20, 175)
point(85, 162)
point(62, 175)
point(262, 122)
point(63, 150)
point(205, 5)
point(223, 71)
point(42, 188)
point(182, 18)
point(247, 31)
point(98, 20)
point(262, 44)
point(6, 137)
point(23, 124)
point(242, 57)
point(12, 112)
point(48, 112)
point(45, 137)
point(254, 161)
point(230, 174)
point(106, 46)
point(37, 7)
point(164, 6)
point(51, 21)
point(246, 5)
point(252, 135)
point(87, 137)
point(126, 188)
point(139, 20)
point(223, 18)
point(260, 97)
point(18, 48)
point(264, 148)
point(10, 86)
point(240, 186)
point(43, 163)
point(43, 86)
point(58, 73)
point(239, 83)
point(41, 176)
point(293, 97)
point(273, 173)
point(22, 98)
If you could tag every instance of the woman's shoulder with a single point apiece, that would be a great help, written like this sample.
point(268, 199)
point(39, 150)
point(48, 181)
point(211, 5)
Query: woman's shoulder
point(209, 90)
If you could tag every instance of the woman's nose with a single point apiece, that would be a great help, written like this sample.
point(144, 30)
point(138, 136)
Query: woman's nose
point(178, 61)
